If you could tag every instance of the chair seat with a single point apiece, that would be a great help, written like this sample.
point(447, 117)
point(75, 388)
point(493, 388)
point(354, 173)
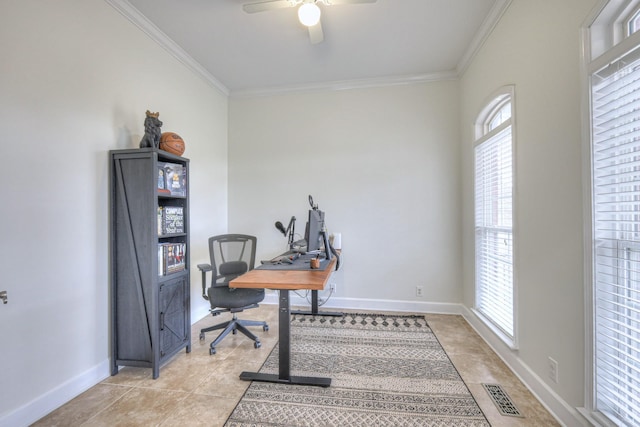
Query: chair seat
point(226, 297)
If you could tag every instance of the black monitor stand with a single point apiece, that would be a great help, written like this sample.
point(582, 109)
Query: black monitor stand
point(314, 294)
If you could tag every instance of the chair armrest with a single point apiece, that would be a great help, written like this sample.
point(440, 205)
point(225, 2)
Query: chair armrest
point(204, 267)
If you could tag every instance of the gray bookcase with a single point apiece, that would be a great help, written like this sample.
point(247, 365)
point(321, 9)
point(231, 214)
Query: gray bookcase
point(150, 307)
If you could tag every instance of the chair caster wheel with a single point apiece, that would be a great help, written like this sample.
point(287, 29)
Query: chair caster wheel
point(212, 351)
point(257, 344)
point(201, 336)
point(265, 328)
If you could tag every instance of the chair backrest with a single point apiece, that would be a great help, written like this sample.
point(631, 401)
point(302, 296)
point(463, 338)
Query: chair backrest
point(231, 255)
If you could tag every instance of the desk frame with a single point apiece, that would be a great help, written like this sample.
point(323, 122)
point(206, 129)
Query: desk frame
point(314, 308)
point(285, 281)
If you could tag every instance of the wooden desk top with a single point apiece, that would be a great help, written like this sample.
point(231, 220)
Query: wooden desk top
point(314, 280)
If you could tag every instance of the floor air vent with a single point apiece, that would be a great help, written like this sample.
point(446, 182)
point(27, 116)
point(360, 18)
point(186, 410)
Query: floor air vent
point(502, 401)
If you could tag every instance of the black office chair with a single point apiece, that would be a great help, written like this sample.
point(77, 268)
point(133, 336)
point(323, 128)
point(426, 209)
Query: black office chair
point(231, 255)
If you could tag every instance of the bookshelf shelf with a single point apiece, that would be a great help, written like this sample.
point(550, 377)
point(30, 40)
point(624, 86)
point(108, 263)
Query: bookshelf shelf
point(149, 235)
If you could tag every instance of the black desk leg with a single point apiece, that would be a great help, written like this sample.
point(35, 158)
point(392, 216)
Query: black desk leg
point(314, 308)
point(284, 323)
point(284, 375)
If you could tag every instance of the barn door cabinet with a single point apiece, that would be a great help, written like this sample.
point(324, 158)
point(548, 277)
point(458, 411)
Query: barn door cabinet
point(149, 238)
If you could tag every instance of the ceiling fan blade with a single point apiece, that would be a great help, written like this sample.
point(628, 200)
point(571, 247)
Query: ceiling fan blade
point(263, 6)
point(337, 2)
point(315, 33)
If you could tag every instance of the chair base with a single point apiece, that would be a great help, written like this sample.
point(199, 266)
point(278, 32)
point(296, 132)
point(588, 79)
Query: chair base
point(234, 325)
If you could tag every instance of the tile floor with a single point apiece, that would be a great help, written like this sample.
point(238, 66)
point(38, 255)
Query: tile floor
point(197, 389)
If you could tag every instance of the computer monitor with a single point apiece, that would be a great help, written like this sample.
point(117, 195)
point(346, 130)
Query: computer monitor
point(316, 233)
point(315, 225)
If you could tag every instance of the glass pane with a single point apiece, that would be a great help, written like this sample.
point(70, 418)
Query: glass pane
point(493, 223)
point(616, 230)
point(634, 23)
point(501, 115)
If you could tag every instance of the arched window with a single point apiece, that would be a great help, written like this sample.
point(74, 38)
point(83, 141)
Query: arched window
point(502, 113)
point(493, 176)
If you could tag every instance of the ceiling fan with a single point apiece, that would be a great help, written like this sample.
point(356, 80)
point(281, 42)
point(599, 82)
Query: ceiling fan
point(308, 12)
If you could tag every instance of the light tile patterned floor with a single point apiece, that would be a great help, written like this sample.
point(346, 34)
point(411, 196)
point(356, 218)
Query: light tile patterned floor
point(197, 389)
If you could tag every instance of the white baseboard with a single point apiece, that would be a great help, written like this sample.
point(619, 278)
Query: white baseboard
point(42, 405)
point(564, 413)
point(373, 304)
point(199, 314)
point(558, 407)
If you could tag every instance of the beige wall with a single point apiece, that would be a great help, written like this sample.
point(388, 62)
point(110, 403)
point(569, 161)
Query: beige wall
point(76, 79)
point(384, 165)
point(536, 47)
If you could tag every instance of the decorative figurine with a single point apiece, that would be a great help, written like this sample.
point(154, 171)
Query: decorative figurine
point(151, 137)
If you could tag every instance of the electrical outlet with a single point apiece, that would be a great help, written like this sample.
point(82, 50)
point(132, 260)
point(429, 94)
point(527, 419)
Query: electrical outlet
point(332, 287)
point(553, 370)
point(419, 290)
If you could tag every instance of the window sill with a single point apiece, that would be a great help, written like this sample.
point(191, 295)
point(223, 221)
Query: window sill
point(509, 341)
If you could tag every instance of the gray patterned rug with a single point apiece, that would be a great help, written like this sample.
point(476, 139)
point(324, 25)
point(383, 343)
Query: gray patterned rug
point(385, 371)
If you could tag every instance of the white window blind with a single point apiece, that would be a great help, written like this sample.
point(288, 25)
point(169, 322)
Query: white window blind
point(616, 234)
point(493, 228)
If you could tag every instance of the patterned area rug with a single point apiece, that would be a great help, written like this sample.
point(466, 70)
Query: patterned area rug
point(385, 371)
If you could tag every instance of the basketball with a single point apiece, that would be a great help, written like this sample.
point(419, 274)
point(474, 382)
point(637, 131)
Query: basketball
point(171, 143)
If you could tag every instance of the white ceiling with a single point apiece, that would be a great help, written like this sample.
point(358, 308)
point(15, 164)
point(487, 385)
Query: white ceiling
point(387, 42)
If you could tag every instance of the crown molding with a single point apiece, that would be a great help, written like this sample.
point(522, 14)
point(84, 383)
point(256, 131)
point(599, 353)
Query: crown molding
point(346, 84)
point(151, 30)
point(490, 22)
point(157, 35)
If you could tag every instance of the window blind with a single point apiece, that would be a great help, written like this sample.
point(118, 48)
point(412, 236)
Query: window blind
point(616, 234)
point(493, 228)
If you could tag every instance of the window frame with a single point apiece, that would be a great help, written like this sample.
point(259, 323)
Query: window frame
point(631, 16)
point(494, 104)
point(605, 39)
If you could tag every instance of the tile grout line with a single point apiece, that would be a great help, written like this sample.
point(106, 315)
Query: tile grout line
point(130, 389)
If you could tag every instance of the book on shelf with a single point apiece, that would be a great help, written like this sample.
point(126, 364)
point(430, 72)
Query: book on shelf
point(170, 220)
point(160, 221)
point(171, 258)
point(172, 179)
point(162, 181)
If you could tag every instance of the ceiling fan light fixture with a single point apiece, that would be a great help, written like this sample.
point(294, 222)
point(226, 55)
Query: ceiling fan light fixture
point(309, 14)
